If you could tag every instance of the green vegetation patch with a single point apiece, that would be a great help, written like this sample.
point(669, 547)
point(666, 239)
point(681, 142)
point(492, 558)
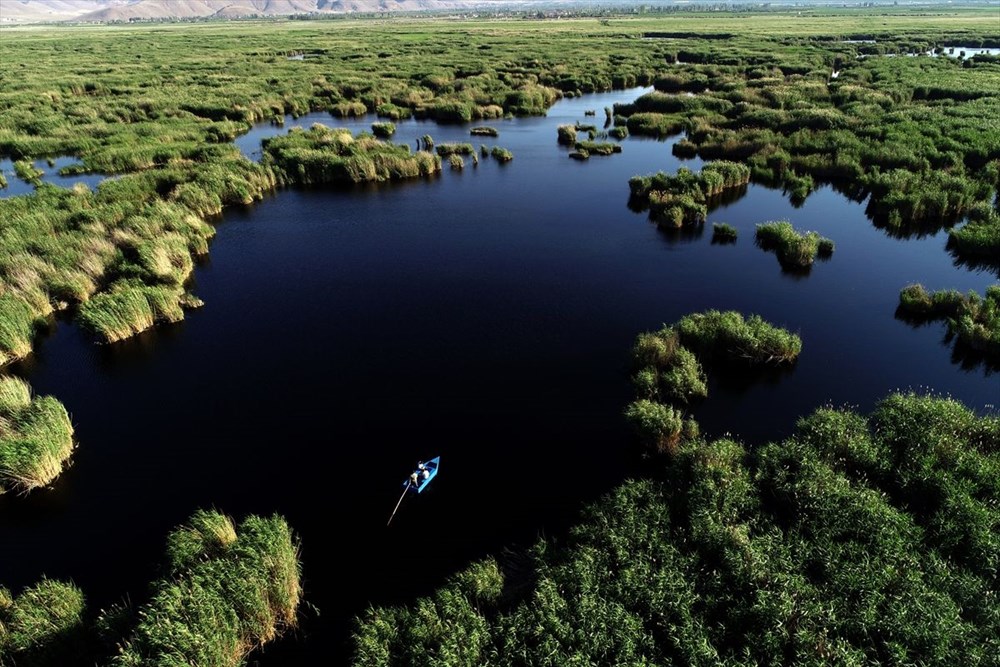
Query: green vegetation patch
point(36, 437)
point(323, 155)
point(683, 199)
point(723, 233)
point(484, 131)
point(228, 592)
point(383, 130)
point(725, 336)
point(130, 308)
point(566, 135)
point(501, 154)
point(795, 250)
point(444, 150)
point(43, 625)
point(858, 540)
point(598, 148)
point(975, 320)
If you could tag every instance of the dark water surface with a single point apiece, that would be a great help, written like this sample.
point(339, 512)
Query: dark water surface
point(484, 316)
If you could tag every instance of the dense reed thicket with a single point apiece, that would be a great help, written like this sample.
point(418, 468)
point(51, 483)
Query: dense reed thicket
point(858, 540)
point(226, 591)
point(36, 437)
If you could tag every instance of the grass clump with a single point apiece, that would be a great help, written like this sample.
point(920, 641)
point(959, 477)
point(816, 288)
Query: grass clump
point(658, 426)
point(229, 591)
point(683, 199)
point(795, 250)
point(620, 132)
point(323, 155)
point(456, 162)
point(3, 180)
point(501, 154)
point(444, 150)
point(36, 437)
point(383, 130)
point(28, 172)
point(723, 233)
point(43, 625)
point(728, 337)
point(566, 135)
point(484, 131)
point(665, 369)
point(129, 308)
point(973, 319)
point(598, 148)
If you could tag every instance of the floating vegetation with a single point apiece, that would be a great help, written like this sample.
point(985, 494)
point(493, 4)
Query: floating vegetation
point(383, 130)
point(973, 319)
point(620, 132)
point(682, 199)
point(723, 233)
point(595, 148)
point(228, 592)
point(484, 131)
point(427, 141)
point(444, 150)
point(501, 154)
point(324, 155)
point(579, 155)
point(36, 438)
point(665, 369)
point(456, 162)
point(795, 250)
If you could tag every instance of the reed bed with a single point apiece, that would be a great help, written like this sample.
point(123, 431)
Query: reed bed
point(43, 625)
point(795, 250)
point(36, 437)
point(973, 319)
point(229, 591)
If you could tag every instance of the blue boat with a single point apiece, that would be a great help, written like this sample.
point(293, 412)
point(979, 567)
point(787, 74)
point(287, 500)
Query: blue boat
point(431, 467)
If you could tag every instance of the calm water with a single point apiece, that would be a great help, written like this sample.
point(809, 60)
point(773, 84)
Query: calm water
point(15, 186)
point(484, 315)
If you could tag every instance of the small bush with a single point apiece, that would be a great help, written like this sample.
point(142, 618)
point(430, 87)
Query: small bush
point(383, 130)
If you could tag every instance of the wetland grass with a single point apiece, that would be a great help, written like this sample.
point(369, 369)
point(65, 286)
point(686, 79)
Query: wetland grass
point(566, 135)
point(43, 625)
point(324, 155)
point(723, 233)
point(683, 198)
point(456, 162)
point(973, 319)
point(229, 591)
point(36, 437)
point(383, 130)
point(795, 250)
point(484, 131)
point(728, 337)
point(597, 148)
point(501, 154)
point(444, 150)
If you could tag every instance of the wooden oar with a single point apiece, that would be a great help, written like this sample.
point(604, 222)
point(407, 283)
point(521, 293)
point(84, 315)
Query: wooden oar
point(408, 483)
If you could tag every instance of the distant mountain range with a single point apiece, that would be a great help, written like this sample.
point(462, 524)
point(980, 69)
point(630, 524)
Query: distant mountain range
point(27, 11)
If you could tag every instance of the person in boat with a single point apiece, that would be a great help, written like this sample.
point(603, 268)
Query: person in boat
point(414, 478)
point(425, 474)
